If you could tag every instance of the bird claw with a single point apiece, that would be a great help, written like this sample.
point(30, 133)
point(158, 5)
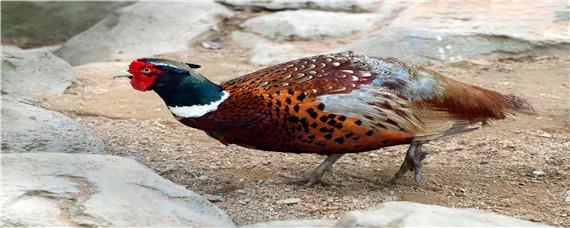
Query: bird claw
point(412, 162)
point(305, 182)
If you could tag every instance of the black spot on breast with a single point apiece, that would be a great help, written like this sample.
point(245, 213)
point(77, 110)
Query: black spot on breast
point(339, 140)
point(348, 135)
point(278, 103)
point(338, 125)
point(314, 125)
point(293, 119)
point(325, 129)
point(311, 137)
point(290, 92)
point(331, 122)
point(288, 100)
point(301, 97)
point(332, 115)
point(278, 92)
point(296, 108)
point(358, 122)
point(369, 133)
point(328, 136)
point(312, 113)
point(287, 109)
point(342, 118)
point(320, 144)
point(321, 107)
point(324, 118)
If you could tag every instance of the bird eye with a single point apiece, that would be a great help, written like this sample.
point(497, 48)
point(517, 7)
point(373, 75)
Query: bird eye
point(145, 70)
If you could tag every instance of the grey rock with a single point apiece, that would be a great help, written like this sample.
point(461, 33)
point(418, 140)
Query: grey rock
point(55, 189)
point(144, 29)
point(345, 5)
point(28, 74)
point(52, 19)
point(28, 129)
point(294, 223)
point(263, 51)
point(410, 214)
point(438, 31)
point(308, 24)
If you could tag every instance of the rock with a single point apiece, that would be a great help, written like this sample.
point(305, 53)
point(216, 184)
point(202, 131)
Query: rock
point(29, 74)
point(345, 5)
point(538, 173)
point(52, 20)
point(289, 201)
point(213, 198)
point(444, 31)
point(567, 197)
point(308, 24)
point(262, 51)
point(29, 129)
point(409, 214)
point(55, 189)
point(144, 29)
point(96, 93)
point(294, 223)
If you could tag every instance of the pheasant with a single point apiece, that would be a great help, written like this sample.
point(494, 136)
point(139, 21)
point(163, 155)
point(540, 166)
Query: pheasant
point(329, 104)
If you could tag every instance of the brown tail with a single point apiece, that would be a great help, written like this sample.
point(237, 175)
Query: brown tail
point(475, 103)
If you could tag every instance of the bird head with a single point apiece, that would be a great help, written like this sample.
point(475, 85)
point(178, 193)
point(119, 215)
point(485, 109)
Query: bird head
point(147, 73)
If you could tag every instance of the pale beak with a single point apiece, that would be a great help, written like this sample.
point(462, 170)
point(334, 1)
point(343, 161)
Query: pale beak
point(122, 74)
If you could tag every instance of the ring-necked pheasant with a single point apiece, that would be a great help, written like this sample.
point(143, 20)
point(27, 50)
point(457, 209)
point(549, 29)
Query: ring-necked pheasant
point(328, 104)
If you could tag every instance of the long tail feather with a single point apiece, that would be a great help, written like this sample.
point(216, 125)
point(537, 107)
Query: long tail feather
point(475, 103)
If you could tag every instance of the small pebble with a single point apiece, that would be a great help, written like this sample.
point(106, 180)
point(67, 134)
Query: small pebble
point(289, 201)
point(213, 198)
point(538, 173)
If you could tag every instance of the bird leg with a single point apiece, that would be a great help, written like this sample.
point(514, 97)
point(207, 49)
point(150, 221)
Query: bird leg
point(412, 162)
point(316, 176)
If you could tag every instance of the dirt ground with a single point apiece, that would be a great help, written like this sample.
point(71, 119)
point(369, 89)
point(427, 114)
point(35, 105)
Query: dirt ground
point(518, 167)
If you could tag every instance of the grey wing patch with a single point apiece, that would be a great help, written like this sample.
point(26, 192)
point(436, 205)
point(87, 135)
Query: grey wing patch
point(411, 82)
point(375, 107)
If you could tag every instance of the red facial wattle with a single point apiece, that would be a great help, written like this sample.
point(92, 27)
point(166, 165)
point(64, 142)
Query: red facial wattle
point(142, 81)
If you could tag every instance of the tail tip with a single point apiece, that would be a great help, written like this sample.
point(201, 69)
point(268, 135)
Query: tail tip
point(518, 104)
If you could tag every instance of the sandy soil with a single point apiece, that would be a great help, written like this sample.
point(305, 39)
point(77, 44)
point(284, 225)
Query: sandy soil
point(518, 167)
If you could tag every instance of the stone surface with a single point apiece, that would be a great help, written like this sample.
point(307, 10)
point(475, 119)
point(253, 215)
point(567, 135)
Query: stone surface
point(409, 214)
point(263, 51)
point(308, 24)
point(449, 31)
point(144, 29)
point(294, 223)
point(55, 189)
point(29, 74)
point(344, 5)
point(28, 129)
point(52, 20)
point(97, 93)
